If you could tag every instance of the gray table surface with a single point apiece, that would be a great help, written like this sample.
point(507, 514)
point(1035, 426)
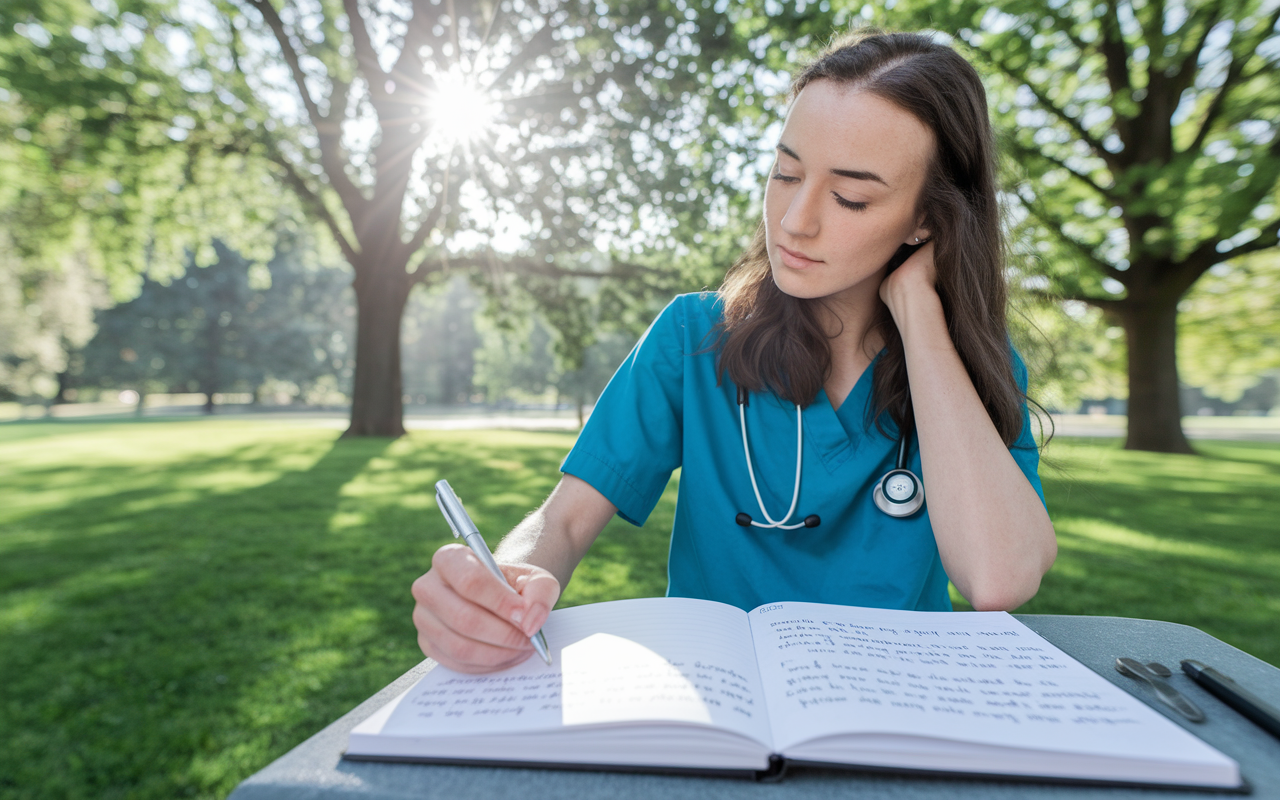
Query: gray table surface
point(315, 769)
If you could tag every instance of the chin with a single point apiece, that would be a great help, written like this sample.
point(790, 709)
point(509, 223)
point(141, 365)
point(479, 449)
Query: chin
point(800, 286)
point(793, 284)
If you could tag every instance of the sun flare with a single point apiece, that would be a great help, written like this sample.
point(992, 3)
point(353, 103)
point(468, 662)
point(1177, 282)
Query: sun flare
point(459, 110)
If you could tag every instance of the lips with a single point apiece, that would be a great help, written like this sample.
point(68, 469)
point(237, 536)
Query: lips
point(795, 260)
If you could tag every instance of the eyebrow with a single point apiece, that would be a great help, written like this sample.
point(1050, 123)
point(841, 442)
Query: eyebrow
point(856, 174)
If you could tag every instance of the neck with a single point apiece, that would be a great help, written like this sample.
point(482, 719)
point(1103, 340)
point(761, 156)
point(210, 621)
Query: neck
point(849, 319)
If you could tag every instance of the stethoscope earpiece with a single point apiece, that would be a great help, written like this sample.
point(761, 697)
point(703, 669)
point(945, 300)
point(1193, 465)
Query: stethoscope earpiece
point(900, 493)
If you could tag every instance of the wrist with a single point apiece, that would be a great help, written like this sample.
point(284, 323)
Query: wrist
point(916, 307)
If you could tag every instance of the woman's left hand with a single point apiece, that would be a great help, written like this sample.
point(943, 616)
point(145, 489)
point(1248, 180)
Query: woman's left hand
point(916, 275)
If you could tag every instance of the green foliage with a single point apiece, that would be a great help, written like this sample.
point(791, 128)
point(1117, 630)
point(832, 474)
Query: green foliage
point(220, 329)
point(1140, 131)
point(1230, 328)
point(1142, 148)
point(44, 317)
point(115, 144)
point(1072, 353)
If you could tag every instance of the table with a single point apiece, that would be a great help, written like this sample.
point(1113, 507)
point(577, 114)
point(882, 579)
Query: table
point(316, 771)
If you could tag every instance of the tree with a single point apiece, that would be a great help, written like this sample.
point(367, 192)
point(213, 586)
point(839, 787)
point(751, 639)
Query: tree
point(495, 136)
point(508, 136)
point(222, 328)
point(45, 316)
point(1145, 139)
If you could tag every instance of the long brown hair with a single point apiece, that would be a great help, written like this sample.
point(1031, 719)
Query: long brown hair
point(770, 340)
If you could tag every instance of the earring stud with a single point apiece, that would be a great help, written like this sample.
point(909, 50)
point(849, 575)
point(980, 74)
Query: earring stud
point(917, 240)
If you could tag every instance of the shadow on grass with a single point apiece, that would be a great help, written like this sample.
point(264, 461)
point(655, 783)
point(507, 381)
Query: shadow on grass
point(169, 633)
point(1189, 539)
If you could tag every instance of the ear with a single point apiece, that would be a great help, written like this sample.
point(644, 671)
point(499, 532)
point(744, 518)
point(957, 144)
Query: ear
point(919, 236)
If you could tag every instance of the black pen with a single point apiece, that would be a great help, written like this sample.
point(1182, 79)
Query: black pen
point(1233, 694)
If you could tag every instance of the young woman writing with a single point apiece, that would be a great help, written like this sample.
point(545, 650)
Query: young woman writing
point(802, 400)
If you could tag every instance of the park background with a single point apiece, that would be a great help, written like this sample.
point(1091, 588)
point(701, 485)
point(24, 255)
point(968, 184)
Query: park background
point(269, 269)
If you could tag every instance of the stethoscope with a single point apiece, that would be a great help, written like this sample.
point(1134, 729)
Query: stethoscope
point(900, 493)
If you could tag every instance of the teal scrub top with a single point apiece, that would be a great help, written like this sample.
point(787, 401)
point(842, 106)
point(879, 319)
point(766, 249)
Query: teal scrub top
point(662, 410)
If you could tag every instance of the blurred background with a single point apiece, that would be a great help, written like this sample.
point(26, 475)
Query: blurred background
point(482, 204)
point(270, 268)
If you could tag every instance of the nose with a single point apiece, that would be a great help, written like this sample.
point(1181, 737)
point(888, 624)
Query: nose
point(801, 219)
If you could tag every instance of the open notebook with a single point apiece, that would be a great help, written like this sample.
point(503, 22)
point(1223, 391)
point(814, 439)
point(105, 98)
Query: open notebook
point(677, 683)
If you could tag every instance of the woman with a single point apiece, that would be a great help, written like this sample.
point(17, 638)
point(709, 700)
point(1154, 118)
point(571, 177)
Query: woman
point(793, 386)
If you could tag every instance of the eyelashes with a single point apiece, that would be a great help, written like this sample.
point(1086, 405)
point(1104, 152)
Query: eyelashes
point(840, 201)
point(849, 204)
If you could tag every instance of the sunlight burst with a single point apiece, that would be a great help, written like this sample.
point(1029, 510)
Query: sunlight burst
point(459, 110)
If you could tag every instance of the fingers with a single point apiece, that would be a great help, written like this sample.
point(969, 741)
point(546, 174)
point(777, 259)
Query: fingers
point(470, 621)
point(459, 652)
point(540, 591)
point(459, 568)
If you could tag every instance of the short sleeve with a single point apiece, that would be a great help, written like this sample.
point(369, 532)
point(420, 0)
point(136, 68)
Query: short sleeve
point(632, 441)
point(1024, 450)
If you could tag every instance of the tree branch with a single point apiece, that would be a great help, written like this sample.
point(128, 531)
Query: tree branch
point(1056, 226)
point(317, 205)
point(1104, 303)
point(1234, 70)
point(424, 230)
point(1030, 152)
point(328, 127)
point(1265, 240)
point(1043, 99)
point(409, 64)
point(1115, 52)
point(366, 55)
point(1187, 69)
point(276, 24)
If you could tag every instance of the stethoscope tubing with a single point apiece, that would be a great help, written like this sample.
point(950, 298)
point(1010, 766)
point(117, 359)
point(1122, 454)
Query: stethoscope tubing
point(795, 494)
point(894, 507)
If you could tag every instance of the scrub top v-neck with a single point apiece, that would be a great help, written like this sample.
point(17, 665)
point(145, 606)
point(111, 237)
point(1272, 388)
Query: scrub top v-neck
point(663, 410)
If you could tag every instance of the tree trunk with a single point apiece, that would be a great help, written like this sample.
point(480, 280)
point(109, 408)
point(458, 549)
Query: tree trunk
point(1155, 413)
point(377, 395)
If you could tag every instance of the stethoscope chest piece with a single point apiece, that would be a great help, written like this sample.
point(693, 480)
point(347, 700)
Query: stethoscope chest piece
point(899, 493)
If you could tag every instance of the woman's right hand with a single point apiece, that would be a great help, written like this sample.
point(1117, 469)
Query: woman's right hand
point(469, 621)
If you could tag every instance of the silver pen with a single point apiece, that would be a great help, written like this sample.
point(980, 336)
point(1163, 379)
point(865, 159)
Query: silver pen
point(462, 526)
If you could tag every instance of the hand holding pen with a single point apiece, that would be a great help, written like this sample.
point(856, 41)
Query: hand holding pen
point(467, 620)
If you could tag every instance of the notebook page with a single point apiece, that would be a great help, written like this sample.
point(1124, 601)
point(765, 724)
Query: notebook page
point(964, 676)
point(652, 659)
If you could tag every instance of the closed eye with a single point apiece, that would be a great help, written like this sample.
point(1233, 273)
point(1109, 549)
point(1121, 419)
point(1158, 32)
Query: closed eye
point(849, 204)
point(778, 176)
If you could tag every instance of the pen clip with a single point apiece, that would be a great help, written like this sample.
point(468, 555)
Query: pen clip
point(444, 510)
point(454, 514)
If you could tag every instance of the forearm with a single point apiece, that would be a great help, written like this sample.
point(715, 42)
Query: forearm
point(557, 536)
point(993, 533)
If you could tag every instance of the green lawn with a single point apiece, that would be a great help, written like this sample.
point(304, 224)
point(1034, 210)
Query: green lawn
point(183, 601)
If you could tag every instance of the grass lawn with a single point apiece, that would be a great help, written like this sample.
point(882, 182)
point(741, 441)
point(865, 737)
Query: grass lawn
point(183, 601)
